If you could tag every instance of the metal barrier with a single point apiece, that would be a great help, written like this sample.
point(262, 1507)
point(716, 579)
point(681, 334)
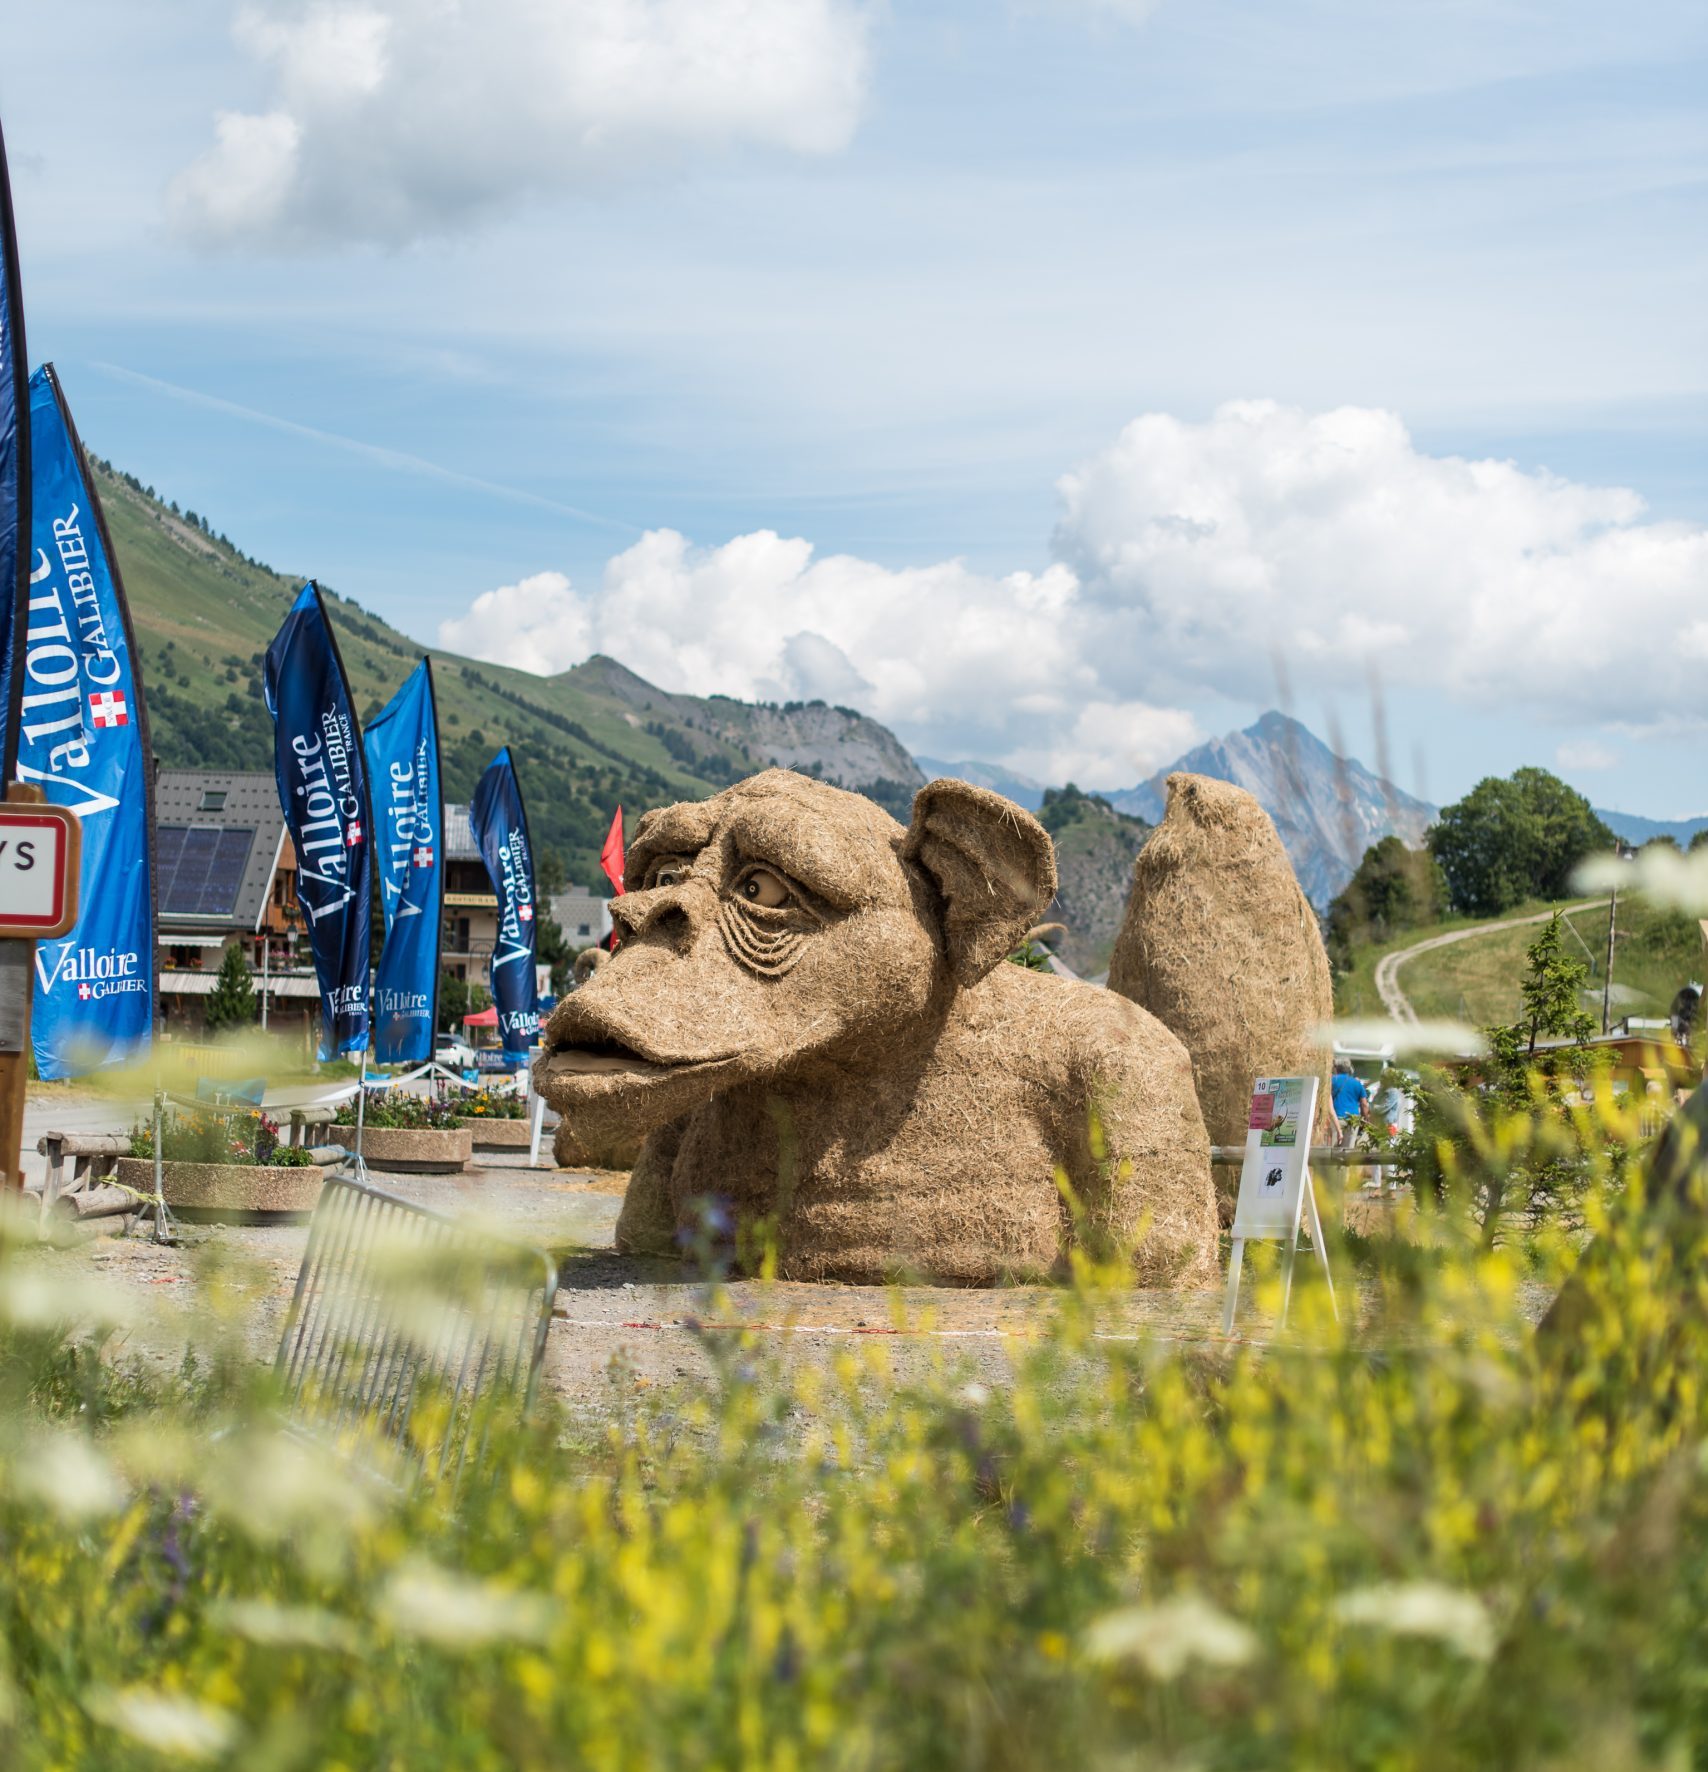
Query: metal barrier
point(410, 1327)
point(197, 1059)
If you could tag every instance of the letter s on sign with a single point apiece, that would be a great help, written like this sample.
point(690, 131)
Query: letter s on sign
point(26, 855)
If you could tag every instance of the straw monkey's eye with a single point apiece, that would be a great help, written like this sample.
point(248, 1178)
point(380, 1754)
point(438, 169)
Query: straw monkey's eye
point(765, 889)
point(671, 870)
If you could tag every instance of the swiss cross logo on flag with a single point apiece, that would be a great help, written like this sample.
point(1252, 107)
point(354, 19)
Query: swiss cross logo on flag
point(107, 708)
point(84, 992)
point(525, 912)
point(353, 836)
point(423, 858)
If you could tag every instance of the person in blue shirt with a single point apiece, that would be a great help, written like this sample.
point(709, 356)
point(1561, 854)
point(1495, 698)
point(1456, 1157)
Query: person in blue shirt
point(1348, 1098)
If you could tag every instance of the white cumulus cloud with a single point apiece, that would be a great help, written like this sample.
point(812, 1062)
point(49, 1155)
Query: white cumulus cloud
point(1188, 556)
point(1584, 753)
point(942, 653)
point(392, 119)
point(1331, 538)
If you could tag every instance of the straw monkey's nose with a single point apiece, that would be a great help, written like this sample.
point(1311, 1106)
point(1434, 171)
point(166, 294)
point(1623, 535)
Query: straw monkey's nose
point(672, 915)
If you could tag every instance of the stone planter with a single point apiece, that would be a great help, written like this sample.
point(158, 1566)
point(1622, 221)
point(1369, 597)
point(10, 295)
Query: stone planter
point(230, 1192)
point(500, 1135)
point(399, 1150)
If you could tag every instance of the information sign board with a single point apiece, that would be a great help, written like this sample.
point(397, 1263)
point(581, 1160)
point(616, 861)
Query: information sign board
point(1275, 1187)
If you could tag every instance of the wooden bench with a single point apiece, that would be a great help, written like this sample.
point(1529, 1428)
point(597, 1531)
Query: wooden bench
point(92, 1156)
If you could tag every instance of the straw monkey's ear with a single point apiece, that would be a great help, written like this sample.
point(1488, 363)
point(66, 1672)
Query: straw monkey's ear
point(992, 864)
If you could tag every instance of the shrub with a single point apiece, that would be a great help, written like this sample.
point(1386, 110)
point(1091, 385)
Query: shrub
point(1427, 1537)
point(207, 1136)
point(1515, 1138)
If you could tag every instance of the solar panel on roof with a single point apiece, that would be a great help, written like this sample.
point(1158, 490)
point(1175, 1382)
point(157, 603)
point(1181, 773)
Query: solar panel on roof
point(200, 868)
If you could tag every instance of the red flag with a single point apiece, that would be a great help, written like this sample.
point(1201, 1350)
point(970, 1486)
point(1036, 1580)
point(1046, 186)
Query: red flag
point(611, 856)
point(611, 860)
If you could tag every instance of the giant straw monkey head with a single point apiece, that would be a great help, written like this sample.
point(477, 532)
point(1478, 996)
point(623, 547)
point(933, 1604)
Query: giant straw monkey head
point(784, 928)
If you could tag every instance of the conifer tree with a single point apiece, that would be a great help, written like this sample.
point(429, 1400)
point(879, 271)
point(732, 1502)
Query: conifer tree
point(232, 1003)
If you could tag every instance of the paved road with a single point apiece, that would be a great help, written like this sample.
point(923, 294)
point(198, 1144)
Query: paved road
point(1397, 1003)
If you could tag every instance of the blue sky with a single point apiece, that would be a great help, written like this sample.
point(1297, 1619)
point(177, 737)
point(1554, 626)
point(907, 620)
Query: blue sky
point(801, 347)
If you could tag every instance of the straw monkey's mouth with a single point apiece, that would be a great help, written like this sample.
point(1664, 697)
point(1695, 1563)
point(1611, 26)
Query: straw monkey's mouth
point(610, 1057)
point(604, 1057)
point(594, 1049)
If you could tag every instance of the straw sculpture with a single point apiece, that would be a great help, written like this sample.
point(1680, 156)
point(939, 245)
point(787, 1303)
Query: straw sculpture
point(1220, 944)
point(570, 1148)
point(810, 1014)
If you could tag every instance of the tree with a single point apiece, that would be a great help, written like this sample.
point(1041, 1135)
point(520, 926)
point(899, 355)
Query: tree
point(457, 998)
point(1514, 1142)
point(232, 1002)
point(1552, 1011)
point(550, 875)
point(1568, 831)
point(1507, 841)
point(1392, 888)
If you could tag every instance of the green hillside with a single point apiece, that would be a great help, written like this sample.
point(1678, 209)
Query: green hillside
point(1478, 980)
point(1095, 849)
point(585, 741)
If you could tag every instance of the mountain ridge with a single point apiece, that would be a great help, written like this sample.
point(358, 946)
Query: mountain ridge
point(585, 740)
point(1327, 808)
point(1634, 828)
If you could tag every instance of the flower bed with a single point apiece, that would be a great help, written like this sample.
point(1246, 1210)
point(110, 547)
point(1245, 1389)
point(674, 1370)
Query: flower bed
point(243, 1192)
point(221, 1139)
point(489, 1104)
point(498, 1122)
point(406, 1134)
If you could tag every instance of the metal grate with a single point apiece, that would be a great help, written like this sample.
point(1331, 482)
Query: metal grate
point(410, 1327)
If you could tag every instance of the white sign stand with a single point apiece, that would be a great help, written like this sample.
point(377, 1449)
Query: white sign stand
point(1275, 1185)
point(536, 1113)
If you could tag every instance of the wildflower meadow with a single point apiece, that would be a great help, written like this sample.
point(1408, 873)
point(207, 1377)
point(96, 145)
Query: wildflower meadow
point(1431, 1534)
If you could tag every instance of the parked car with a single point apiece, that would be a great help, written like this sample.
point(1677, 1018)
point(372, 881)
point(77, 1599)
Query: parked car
point(454, 1053)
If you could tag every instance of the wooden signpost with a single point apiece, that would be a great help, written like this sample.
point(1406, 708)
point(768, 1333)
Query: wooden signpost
point(1275, 1186)
point(41, 849)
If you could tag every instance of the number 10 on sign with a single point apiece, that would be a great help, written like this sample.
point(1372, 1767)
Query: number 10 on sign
point(1275, 1186)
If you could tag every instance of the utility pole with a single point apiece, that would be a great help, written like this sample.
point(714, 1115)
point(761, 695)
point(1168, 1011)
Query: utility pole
point(1607, 975)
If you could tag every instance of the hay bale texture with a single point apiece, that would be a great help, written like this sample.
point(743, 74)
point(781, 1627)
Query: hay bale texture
point(571, 1148)
point(1221, 945)
point(811, 1013)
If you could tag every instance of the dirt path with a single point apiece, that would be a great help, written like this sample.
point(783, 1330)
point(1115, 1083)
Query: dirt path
point(1398, 1004)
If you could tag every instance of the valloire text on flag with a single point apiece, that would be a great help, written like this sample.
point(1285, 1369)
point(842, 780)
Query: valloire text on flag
point(317, 759)
point(500, 826)
point(403, 779)
point(83, 739)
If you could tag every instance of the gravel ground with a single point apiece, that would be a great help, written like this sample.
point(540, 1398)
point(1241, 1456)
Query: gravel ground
point(619, 1320)
point(621, 1325)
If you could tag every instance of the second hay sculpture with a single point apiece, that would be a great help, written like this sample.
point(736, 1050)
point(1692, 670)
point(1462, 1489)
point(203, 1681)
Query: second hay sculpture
point(1220, 944)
